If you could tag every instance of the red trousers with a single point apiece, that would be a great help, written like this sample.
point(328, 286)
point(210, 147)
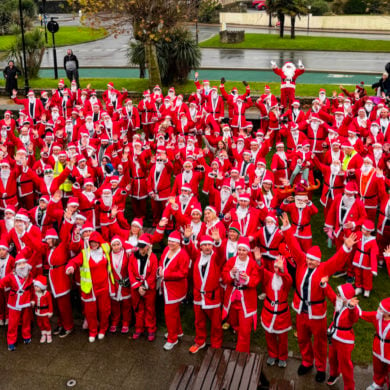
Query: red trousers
point(216, 332)
point(27, 201)
point(383, 240)
point(119, 308)
point(381, 371)
point(317, 350)
point(65, 315)
point(15, 317)
point(287, 96)
point(44, 324)
point(145, 311)
point(139, 207)
point(277, 345)
point(172, 321)
point(3, 304)
point(242, 325)
point(363, 278)
point(158, 207)
point(305, 243)
point(371, 214)
point(98, 312)
point(340, 361)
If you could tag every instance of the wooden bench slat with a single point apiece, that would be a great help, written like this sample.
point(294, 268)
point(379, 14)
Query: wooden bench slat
point(208, 380)
point(256, 372)
point(237, 375)
point(188, 374)
point(248, 371)
point(178, 377)
point(219, 375)
point(282, 384)
point(230, 369)
point(203, 369)
point(193, 378)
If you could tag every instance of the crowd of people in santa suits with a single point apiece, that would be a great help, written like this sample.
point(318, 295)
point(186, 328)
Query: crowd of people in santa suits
point(72, 164)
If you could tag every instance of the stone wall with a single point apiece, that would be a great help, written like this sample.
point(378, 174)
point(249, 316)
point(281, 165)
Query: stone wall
point(229, 36)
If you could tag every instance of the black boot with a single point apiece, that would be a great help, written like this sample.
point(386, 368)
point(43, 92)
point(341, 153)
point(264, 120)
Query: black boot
point(303, 370)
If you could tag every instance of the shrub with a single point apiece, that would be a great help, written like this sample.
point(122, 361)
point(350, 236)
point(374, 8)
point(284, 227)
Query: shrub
point(355, 7)
point(319, 7)
point(209, 11)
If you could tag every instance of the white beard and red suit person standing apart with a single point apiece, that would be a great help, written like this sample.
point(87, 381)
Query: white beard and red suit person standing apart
point(275, 315)
point(381, 343)
point(7, 264)
point(96, 282)
point(309, 298)
point(172, 273)
point(208, 262)
point(288, 75)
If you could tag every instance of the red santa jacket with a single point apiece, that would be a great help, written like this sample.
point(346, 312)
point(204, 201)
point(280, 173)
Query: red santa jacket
point(366, 254)
point(35, 111)
point(315, 297)
point(43, 304)
point(381, 343)
point(384, 211)
point(275, 316)
point(285, 82)
point(355, 214)
point(300, 218)
point(8, 194)
point(20, 290)
point(316, 137)
point(215, 107)
point(120, 269)
point(193, 182)
point(239, 119)
point(147, 278)
point(269, 246)
point(250, 223)
point(368, 188)
point(207, 291)
point(175, 272)
point(279, 168)
point(160, 184)
point(238, 292)
point(148, 111)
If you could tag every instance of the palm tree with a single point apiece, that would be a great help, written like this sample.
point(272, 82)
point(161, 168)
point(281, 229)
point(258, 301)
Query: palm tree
point(296, 8)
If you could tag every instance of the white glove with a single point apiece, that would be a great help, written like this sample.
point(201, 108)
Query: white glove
point(300, 64)
point(273, 63)
point(70, 271)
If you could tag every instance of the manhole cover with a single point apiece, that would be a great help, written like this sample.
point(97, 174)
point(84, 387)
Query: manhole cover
point(71, 383)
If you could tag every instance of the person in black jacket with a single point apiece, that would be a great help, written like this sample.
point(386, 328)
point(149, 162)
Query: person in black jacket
point(383, 85)
point(71, 66)
point(11, 74)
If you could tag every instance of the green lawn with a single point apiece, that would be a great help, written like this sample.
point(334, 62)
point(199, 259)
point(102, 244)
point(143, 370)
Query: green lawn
point(257, 88)
point(66, 36)
point(272, 41)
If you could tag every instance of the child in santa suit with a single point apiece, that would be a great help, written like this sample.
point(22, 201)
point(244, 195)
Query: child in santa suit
point(142, 274)
point(381, 344)
point(365, 259)
point(43, 307)
point(19, 301)
point(275, 316)
point(340, 333)
point(241, 275)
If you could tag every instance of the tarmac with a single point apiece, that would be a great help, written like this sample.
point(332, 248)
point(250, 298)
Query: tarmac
point(120, 363)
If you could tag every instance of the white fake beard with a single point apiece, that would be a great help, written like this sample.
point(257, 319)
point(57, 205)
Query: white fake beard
point(296, 111)
point(48, 179)
point(22, 272)
point(379, 315)
point(240, 147)
point(300, 204)
point(89, 126)
point(335, 169)
point(366, 169)
point(97, 255)
point(241, 213)
point(159, 167)
point(315, 126)
point(90, 195)
point(347, 105)
point(282, 155)
point(187, 175)
point(107, 200)
point(25, 139)
point(348, 201)
point(191, 147)
point(289, 72)
point(339, 304)
point(225, 195)
point(378, 154)
point(368, 107)
point(108, 124)
point(184, 198)
point(321, 98)
point(55, 116)
point(259, 172)
point(270, 228)
point(277, 282)
point(184, 122)
point(5, 174)
point(9, 223)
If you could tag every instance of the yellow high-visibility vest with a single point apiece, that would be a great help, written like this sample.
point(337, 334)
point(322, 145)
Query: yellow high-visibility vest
point(66, 186)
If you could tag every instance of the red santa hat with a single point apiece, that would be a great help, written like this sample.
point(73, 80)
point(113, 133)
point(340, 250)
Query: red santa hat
point(110, 84)
point(272, 215)
point(44, 198)
point(137, 222)
point(240, 184)
point(43, 93)
point(261, 161)
point(41, 282)
point(244, 197)
point(56, 146)
point(81, 216)
point(351, 188)
point(114, 179)
point(336, 141)
point(10, 209)
point(61, 82)
point(51, 233)
point(4, 244)
point(234, 169)
point(30, 93)
point(145, 239)
point(205, 239)
point(146, 93)
point(211, 208)
point(186, 187)
point(368, 159)
point(385, 305)
point(197, 209)
point(8, 113)
point(268, 178)
point(315, 117)
point(20, 258)
point(352, 130)
point(368, 225)
point(314, 253)
point(346, 144)
point(322, 90)
point(81, 158)
point(235, 226)
point(96, 237)
point(226, 183)
point(87, 227)
point(254, 142)
point(174, 237)
point(296, 103)
point(116, 238)
point(346, 291)
point(22, 215)
point(206, 82)
point(267, 88)
point(73, 201)
point(246, 151)
point(243, 242)
point(88, 181)
point(280, 145)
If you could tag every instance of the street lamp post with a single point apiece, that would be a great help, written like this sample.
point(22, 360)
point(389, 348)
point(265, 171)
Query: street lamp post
point(308, 18)
point(26, 86)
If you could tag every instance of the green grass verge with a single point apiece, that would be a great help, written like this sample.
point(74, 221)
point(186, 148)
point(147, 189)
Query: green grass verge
point(257, 88)
point(66, 36)
point(272, 41)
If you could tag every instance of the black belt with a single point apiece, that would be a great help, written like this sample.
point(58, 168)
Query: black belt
point(309, 302)
point(90, 209)
point(317, 139)
point(300, 227)
point(42, 307)
point(364, 253)
point(333, 188)
point(9, 197)
point(382, 213)
point(123, 282)
point(276, 312)
point(281, 169)
point(269, 249)
point(138, 177)
point(57, 266)
point(380, 338)
point(340, 328)
point(241, 288)
point(23, 182)
point(368, 197)
point(20, 292)
point(105, 212)
point(273, 303)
